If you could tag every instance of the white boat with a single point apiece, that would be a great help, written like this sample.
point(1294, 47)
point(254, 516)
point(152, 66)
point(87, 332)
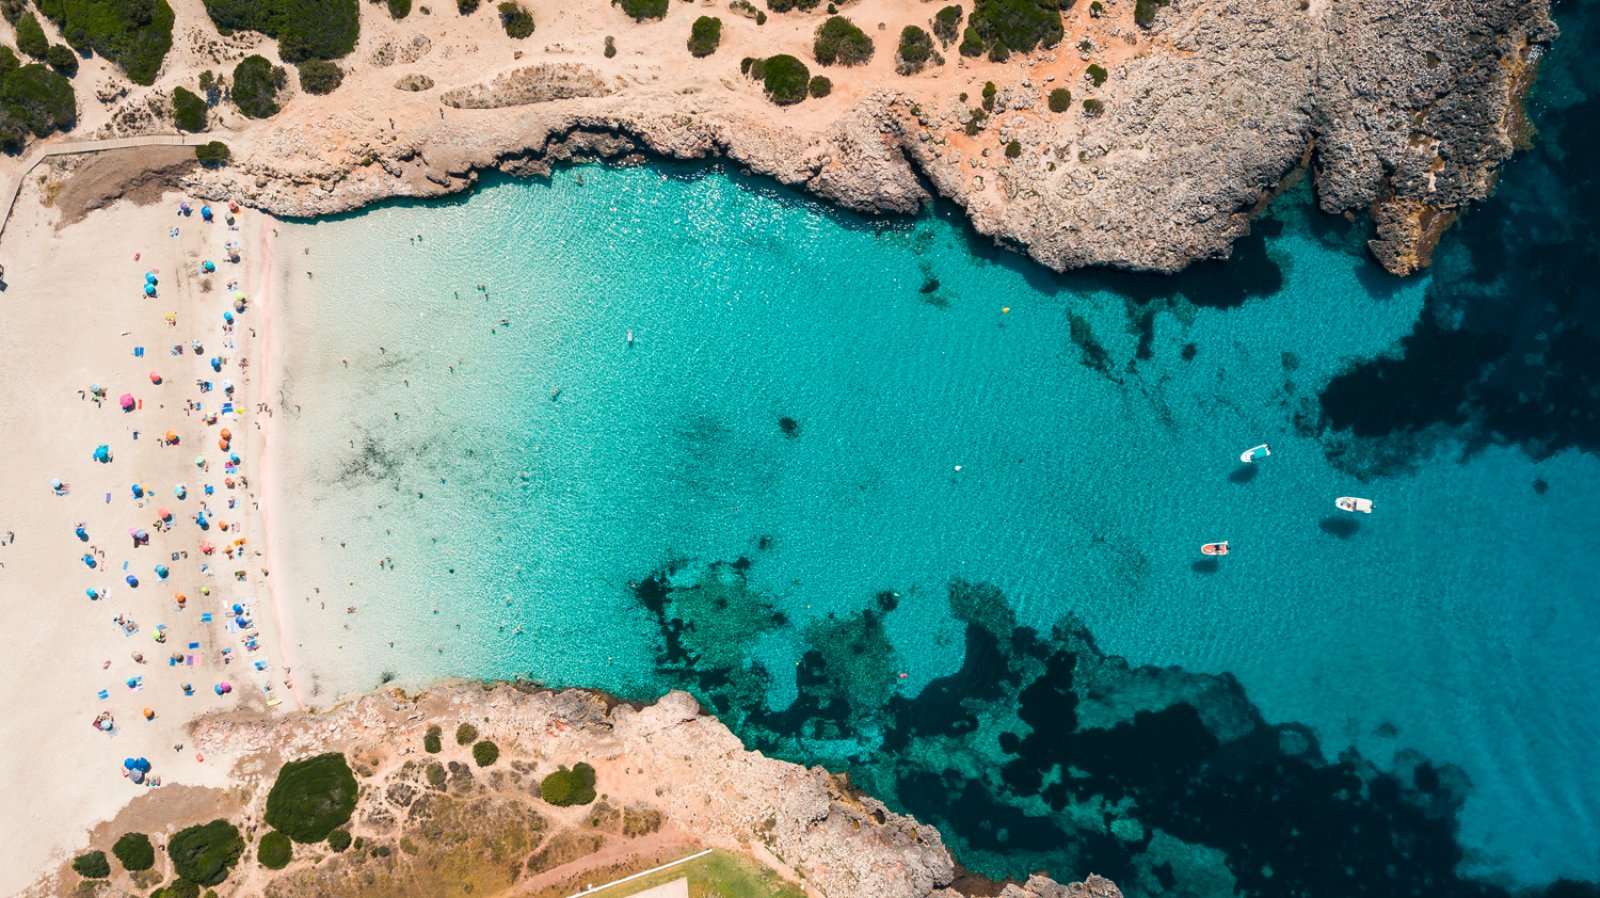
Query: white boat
point(1214, 548)
point(1255, 454)
point(1351, 503)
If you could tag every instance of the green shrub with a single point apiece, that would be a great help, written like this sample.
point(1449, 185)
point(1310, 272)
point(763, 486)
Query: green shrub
point(820, 86)
point(275, 851)
point(188, 110)
point(761, 17)
point(947, 24)
point(1013, 149)
point(916, 48)
point(399, 9)
point(62, 59)
point(1092, 106)
point(134, 34)
point(305, 29)
point(255, 86)
point(786, 5)
point(203, 854)
point(611, 46)
point(134, 852)
point(312, 797)
point(840, 41)
point(785, 78)
point(214, 153)
point(436, 775)
point(34, 100)
point(339, 839)
point(466, 7)
point(485, 753)
point(1097, 75)
point(13, 10)
point(430, 741)
point(319, 76)
point(8, 61)
point(971, 43)
point(466, 734)
point(515, 19)
point(639, 10)
point(1144, 11)
point(30, 36)
point(92, 865)
point(178, 888)
point(566, 788)
point(704, 36)
point(1020, 25)
point(1060, 100)
point(999, 52)
point(989, 90)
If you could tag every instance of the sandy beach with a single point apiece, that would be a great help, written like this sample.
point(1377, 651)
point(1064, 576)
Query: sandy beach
point(75, 315)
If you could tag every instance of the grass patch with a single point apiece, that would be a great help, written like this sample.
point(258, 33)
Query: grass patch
point(204, 854)
point(720, 874)
point(565, 788)
point(312, 797)
point(134, 852)
point(466, 734)
point(275, 851)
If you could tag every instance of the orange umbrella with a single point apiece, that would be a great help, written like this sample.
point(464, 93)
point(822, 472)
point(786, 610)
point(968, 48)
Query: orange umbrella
point(227, 434)
point(171, 437)
point(223, 445)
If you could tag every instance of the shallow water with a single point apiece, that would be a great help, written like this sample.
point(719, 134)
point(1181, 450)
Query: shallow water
point(826, 428)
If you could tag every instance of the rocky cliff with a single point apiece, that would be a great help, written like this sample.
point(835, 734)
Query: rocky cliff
point(1404, 108)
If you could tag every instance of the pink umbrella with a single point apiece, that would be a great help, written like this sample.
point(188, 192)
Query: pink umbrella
point(164, 514)
point(126, 400)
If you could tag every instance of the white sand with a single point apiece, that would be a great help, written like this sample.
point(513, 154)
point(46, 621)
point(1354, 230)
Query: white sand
point(71, 316)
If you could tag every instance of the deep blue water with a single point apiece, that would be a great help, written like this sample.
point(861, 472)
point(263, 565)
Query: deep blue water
point(891, 500)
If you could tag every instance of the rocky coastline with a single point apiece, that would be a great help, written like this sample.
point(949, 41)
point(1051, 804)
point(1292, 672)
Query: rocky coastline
point(1401, 110)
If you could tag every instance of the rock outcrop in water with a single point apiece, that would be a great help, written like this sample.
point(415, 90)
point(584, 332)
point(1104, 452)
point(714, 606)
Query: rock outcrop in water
point(1174, 135)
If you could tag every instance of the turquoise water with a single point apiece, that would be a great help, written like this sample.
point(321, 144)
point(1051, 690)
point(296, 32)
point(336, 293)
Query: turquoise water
point(837, 409)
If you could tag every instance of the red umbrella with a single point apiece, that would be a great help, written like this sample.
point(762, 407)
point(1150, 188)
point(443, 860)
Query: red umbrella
point(155, 378)
point(164, 514)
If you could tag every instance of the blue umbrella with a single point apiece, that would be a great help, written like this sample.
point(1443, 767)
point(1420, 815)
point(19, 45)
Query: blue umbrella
point(89, 561)
point(216, 363)
point(161, 571)
point(201, 520)
point(132, 581)
point(83, 535)
point(205, 212)
point(102, 453)
point(141, 764)
point(138, 491)
point(149, 289)
point(150, 277)
point(93, 593)
point(128, 763)
point(208, 266)
point(228, 317)
point(233, 457)
point(238, 608)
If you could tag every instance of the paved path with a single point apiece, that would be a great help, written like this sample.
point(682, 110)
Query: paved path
point(44, 151)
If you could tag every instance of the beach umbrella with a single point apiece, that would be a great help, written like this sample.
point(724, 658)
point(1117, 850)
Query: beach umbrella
point(89, 561)
point(205, 212)
point(181, 491)
point(126, 401)
point(161, 571)
point(164, 514)
point(136, 776)
point(206, 548)
point(208, 266)
point(149, 714)
point(171, 437)
point(150, 277)
point(233, 457)
point(199, 461)
point(228, 317)
point(82, 534)
point(184, 208)
point(155, 378)
point(227, 386)
point(142, 535)
point(102, 453)
point(149, 289)
point(238, 608)
point(142, 764)
point(94, 594)
point(238, 305)
point(201, 520)
point(132, 581)
point(138, 491)
point(225, 433)
point(128, 764)
point(215, 363)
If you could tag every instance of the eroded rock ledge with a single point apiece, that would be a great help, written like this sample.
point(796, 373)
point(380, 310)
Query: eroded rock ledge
point(1405, 108)
point(668, 757)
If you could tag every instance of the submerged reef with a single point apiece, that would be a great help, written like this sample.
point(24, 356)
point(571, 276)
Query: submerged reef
point(1041, 752)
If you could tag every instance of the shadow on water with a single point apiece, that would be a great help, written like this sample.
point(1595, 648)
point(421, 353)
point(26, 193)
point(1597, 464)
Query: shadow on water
point(1341, 526)
point(1206, 566)
point(1243, 474)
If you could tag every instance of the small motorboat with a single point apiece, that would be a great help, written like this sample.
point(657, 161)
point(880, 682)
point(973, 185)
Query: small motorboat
point(1351, 503)
point(1214, 548)
point(630, 338)
point(1255, 454)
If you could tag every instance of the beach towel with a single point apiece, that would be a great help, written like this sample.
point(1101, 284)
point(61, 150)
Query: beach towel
point(205, 618)
point(103, 694)
point(194, 645)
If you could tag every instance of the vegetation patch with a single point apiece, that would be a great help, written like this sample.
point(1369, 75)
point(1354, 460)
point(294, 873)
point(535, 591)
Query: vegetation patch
point(319, 76)
point(134, 852)
point(840, 41)
point(1144, 11)
point(188, 110)
point(305, 29)
point(914, 51)
point(1012, 26)
point(63, 59)
point(786, 5)
point(204, 854)
point(515, 19)
point(399, 9)
point(485, 753)
point(466, 734)
point(339, 839)
point(947, 24)
point(312, 797)
point(821, 86)
point(255, 86)
point(1013, 149)
point(566, 788)
point(704, 36)
point(92, 865)
point(30, 36)
point(179, 888)
point(34, 100)
point(431, 740)
point(1093, 107)
point(134, 34)
point(1097, 74)
point(1060, 100)
point(275, 851)
point(213, 153)
point(640, 10)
